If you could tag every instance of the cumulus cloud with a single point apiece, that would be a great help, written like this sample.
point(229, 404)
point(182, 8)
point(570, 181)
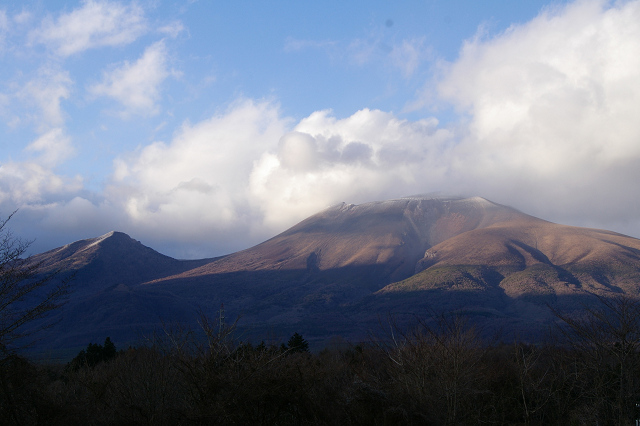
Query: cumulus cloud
point(195, 186)
point(34, 182)
point(94, 24)
point(553, 107)
point(30, 183)
point(136, 85)
point(242, 175)
point(325, 160)
point(298, 151)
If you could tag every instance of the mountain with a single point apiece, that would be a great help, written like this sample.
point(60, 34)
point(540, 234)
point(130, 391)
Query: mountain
point(391, 233)
point(339, 271)
point(114, 259)
point(106, 297)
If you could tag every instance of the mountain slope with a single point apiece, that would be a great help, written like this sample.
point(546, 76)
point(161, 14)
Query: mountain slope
point(340, 270)
point(392, 234)
point(311, 274)
point(106, 297)
point(576, 258)
point(111, 259)
point(511, 272)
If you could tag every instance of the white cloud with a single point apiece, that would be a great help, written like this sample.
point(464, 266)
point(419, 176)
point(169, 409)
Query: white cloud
point(551, 129)
point(241, 176)
point(553, 107)
point(46, 92)
point(94, 24)
point(369, 155)
point(53, 148)
point(29, 183)
point(298, 151)
point(196, 185)
point(77, 214)
point(136, 86)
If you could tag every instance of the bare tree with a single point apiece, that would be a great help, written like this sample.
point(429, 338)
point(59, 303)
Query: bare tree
point(607, 340)
point(438, 363)
point(27, 293)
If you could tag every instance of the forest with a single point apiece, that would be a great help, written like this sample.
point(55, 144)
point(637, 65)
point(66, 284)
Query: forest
point(440, 372)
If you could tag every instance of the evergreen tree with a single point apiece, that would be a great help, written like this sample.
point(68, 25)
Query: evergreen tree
point(109, 349)
point(297, 343)
point(95, 354)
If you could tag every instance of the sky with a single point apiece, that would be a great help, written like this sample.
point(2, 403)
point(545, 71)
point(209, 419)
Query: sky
point(205, 127)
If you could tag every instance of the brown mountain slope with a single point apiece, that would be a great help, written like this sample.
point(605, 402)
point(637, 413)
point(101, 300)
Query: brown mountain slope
point(516, 270)
point(525, 252)
point(393, 234)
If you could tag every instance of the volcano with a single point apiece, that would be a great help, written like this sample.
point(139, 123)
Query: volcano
point(341, 271)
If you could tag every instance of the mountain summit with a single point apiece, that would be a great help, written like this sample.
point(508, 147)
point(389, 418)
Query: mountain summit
point(394, 234)
point(339, 271)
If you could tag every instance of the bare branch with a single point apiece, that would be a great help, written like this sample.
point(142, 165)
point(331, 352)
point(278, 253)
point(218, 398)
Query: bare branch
point(27, 293)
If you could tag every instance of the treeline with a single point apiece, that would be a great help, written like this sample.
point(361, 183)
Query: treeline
point(440, 373)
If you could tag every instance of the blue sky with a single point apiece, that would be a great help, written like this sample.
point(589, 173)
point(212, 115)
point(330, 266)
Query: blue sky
point(202, 127)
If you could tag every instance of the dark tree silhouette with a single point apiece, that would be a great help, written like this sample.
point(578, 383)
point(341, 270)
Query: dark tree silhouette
point(109, 349)
point(94, 354)
point(607, 337)
point(297, 343)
